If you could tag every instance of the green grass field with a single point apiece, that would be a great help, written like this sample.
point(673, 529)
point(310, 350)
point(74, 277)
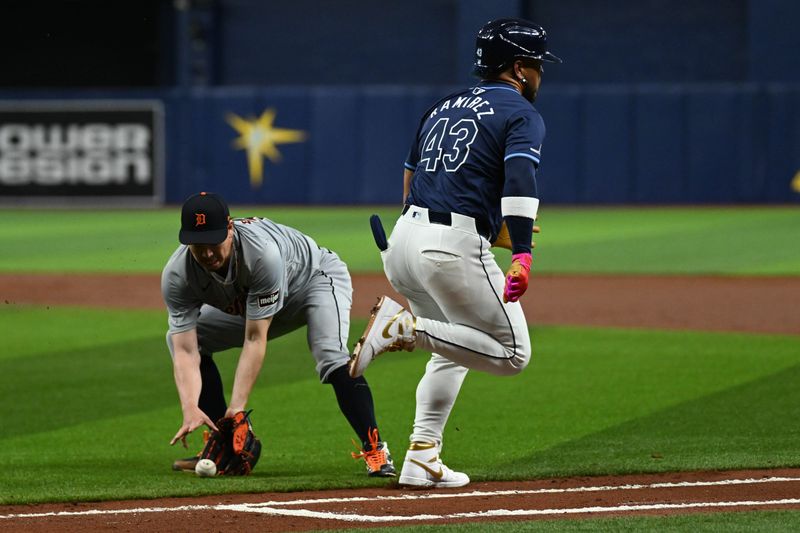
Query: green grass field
point(633, 240)
point(772, 521)
point(90, 405)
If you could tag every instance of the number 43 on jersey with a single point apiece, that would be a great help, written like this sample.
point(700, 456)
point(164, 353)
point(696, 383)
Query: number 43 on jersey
point(448, 144)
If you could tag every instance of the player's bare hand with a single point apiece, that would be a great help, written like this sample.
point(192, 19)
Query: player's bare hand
point(192, 419)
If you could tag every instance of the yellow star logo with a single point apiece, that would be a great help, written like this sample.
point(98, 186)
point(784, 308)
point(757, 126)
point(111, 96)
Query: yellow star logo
point(796, 182)
point(260, 138)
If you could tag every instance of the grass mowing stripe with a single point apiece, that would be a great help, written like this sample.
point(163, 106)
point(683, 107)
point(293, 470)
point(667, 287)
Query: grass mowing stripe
point(37, 330)
point(608, 240)
point(594, 401)
point(672, 241)
point(668, 400)
point(773, 521)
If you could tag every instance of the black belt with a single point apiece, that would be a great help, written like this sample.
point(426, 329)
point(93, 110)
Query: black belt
point(446, 219)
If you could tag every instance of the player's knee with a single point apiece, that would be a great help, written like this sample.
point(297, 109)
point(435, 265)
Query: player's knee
point(521, 362)
point(340, 377)
point(330, 367)
point(517, 360)
point(504, 368)
point(514, 367)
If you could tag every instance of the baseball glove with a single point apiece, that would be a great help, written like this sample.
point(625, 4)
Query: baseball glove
point(234, 448)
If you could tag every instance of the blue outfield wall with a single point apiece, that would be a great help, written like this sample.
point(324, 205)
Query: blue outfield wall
point(670, 144)
point(617, 144)
point(605, 144)
point(355, 143)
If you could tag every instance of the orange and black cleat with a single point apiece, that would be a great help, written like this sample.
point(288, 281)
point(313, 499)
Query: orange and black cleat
point(378, 459)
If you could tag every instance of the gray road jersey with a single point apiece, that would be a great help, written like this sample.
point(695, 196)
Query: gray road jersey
point(271, 263)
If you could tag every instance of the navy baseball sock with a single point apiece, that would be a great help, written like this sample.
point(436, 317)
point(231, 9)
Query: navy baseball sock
point(355, 401)
point(212, 398)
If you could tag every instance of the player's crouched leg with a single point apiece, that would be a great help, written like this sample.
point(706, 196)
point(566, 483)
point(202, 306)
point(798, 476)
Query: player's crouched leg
point(517, 358)
point(516, 344)
point(501, 352)
point(355, 401)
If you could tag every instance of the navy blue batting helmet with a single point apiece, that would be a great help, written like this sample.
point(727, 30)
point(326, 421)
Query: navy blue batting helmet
point(502, 41)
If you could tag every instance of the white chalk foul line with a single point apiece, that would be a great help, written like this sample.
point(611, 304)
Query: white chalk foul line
point(478, 493)
point(302, 513)
point(269, 507)
point(113, 511)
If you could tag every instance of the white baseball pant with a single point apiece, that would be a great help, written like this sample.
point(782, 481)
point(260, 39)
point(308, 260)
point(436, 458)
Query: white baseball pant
point(454, 288)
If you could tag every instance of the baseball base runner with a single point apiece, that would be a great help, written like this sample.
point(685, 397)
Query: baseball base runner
point(471, 169)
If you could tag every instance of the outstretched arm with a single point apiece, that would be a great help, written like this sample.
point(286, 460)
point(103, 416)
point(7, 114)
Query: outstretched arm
point(186, 368)
point(253, 351)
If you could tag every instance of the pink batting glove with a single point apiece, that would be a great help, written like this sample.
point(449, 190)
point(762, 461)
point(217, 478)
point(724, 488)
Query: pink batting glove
point(517, 277)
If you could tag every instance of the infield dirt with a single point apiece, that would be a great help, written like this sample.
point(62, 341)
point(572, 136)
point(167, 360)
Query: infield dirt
point(706, 303)
point(573, 498)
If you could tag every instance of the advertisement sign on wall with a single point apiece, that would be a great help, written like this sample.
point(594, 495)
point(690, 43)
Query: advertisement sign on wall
point(81, 149)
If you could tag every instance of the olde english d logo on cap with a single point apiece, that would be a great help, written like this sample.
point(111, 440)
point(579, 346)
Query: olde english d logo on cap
point(200, 219)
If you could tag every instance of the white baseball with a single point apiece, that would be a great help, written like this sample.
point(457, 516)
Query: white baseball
point(205, 468)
